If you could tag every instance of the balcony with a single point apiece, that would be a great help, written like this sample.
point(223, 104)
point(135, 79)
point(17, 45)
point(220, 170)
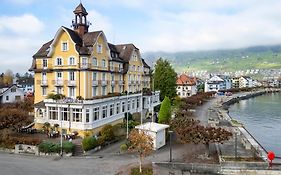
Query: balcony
point(95, 83)
point(58, 82)
point(85, 65)
point(103, 82)
point(116, 69)
point(43, 67)
point(71, 83)
point(121, 82)
point(112, 83)
point(42, 82)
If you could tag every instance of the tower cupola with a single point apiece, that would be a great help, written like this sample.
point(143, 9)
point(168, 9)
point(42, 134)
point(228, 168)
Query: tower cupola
point(80, 23)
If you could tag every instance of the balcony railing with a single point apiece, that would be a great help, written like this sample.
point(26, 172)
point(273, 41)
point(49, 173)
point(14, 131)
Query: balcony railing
point(58, 82)
point(95, 83)
point(121, 82)
point(42, 82)
point(44, 67)
point(103, 82)
point(115, 69)
point(71, 83)
point(113, 83)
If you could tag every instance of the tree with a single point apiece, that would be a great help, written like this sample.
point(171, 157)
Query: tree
point(165, 111)
point(165, 79)
point(141, 143)
point(189, 131)
point(8, 77)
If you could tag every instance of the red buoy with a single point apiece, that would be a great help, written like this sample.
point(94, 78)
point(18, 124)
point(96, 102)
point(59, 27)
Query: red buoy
point(270, 155)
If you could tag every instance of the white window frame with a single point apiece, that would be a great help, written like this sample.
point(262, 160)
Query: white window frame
point(64, 46)
point(99, 48)
point(71, 61)
point(44, 91)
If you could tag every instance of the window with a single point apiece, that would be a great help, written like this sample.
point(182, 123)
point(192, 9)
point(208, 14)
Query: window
point(77, 115)
point(72, 92)
point(104, 111)
point(120, 88)
point(111, 109)
point(111, 66)
point(138, 68)
point(120, 77)
point(117, 108)
point(95, 62)
point(53, 113)
point(134, 68)
point(59, 75)
point(94, 91)
point(99, 48)
point(84, 62)
point(133, 104)
point(64, 46)
point(59, 62)
point(45, 63)
point(123, 106)
point(96, 113)
point(138, 102)
point(103, 63)
point(71, 76)
point(7, 98)
point(129, 105)
point(44, 76)
point(71, 61)
point(94, 76)
point(103, 77)
point(87, 115)
point(64, 114)
point(44, 91)
point(59, 90)
point(112, 89)
point(104, 90)
point(13, 90)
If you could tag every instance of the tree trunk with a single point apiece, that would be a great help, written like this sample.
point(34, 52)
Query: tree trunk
point(140, 164)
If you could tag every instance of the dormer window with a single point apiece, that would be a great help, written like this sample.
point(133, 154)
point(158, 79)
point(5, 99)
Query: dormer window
point(64, 46)
point(99, 48)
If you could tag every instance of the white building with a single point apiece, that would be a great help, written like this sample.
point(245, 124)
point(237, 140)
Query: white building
point(11, 94)
point(27, 88)
point(186, 86)
point(245, 82)
point(83, 115)
point(217, 82)
point(156, 131)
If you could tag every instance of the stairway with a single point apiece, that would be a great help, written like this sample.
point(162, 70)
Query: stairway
point(78, 151)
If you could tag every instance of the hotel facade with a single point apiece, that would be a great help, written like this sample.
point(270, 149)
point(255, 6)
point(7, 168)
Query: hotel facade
point(100, 81)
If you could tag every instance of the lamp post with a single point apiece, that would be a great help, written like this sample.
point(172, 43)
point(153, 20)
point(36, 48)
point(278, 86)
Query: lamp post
point(127, 117)
point(61, 152)
point(170, 133)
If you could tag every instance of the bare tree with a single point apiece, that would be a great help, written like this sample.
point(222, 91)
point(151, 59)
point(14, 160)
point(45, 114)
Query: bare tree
point(141, 143)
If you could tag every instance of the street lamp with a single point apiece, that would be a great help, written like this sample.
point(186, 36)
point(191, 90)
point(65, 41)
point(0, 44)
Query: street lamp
point(170, 133)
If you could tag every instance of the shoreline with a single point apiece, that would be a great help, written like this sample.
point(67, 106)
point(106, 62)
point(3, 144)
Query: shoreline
point(250, 141)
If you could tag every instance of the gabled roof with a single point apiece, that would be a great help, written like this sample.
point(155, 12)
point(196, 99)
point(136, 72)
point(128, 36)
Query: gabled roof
point(43, 51)
point(145, 64)
point(7, 88)
point(126, 51)
point(186, 80)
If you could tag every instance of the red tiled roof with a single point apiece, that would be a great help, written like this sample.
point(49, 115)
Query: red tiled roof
point(186, 80)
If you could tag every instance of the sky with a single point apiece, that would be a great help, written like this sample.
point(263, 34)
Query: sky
point(158, 25)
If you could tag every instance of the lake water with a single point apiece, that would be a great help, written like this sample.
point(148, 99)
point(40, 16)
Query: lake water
point(261, 116)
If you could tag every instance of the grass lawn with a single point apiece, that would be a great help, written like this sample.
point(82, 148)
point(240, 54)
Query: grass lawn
point(145, 171)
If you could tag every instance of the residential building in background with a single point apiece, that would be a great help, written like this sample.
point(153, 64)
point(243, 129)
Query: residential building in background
point(11, 94)
point(186, 86)
point(101, 80)
point(217, 82)
point(245, 82)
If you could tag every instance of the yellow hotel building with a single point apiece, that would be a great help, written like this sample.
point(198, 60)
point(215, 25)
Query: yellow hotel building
point(100, 81)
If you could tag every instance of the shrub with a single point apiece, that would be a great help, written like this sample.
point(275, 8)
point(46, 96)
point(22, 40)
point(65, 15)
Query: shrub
point(68, 147)
point(130, 116)
point(123, 147)
point(165, 111)
point(100, 141)
point(89, 143)
point(47, 147)
point(107, 133)
point(132, 124)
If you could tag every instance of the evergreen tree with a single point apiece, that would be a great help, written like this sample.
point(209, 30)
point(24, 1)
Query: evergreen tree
point(165, 79)
point(165, 111)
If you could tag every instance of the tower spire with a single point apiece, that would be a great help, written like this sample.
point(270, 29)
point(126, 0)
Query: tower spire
point(80, 23)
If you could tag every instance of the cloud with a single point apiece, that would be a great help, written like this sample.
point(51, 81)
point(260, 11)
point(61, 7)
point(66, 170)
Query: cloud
point(20, 37)
point(21, 2)
point(26, 24)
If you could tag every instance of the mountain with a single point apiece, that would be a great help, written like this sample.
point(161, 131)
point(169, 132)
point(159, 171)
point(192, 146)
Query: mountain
point(258, 57)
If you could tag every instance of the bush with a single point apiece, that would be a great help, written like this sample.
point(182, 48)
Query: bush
point(47, 147)
point(123, 147)
point(132, 124)
point(145, 171)
point(107, 133)
point(89, 143)
point(165, 111)
point(130, 116)
point(68, 147)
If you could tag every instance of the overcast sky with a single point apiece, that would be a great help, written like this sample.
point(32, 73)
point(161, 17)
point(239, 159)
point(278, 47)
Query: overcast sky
point(152, 25)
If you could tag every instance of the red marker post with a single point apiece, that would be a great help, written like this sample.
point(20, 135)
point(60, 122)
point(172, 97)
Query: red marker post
point(270, 156)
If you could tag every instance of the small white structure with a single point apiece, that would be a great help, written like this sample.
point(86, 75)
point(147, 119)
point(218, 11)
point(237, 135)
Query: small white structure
point(156, 131)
